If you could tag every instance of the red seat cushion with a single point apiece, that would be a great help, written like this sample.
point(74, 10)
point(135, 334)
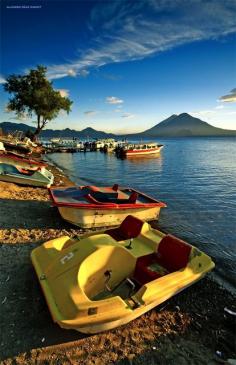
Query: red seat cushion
point(148, 269)
point(173, 253)
point(133, 197)
point(129, 228)
point(115, 187)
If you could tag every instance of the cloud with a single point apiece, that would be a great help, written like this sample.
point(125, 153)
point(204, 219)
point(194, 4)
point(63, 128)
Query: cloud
point(83, 73)
point(219, 107)
point(90, 112)
point(131, 30)
point(205, 112)
point(128, 116)
point(230, 98)
point(60, 71)
point(113, 100)
point(2, 80)
point(63, 92)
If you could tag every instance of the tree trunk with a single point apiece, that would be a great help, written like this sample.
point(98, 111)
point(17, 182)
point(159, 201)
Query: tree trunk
point(39, 128)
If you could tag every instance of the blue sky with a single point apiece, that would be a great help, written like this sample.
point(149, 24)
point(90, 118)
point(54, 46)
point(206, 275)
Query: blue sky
point(127, 65)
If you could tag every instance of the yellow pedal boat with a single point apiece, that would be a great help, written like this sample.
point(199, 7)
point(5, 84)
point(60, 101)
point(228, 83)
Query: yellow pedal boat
point(104, 280)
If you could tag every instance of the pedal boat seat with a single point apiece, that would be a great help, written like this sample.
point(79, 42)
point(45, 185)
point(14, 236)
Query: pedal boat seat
point(172, 255)
point(130, 228)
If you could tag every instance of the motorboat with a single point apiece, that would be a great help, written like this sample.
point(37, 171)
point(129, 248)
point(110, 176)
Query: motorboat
point(107, 279)
point(139, 149)
point(92, 206)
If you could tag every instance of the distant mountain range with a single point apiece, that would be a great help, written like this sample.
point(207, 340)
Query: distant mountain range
point(182, 125)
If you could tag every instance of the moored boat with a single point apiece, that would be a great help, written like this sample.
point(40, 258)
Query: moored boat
point(139, 149)
point(91, 206)
point(107, 279)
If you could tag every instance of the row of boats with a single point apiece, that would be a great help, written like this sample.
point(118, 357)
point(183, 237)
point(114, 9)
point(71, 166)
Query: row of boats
point(122, 149)
point(108, 277)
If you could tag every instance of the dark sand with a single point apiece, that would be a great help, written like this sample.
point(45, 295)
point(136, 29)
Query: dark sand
point(187, 329)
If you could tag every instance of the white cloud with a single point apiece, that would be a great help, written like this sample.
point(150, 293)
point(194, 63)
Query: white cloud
point(220, 118)
point(83, 73)
point(219, 107)
point(113, 100)
point(204, 112)
point(230, 98)
point(60, 71)
point(2, 80)
point(90, 112)
point(128, 116)
point(125, 31)
point(63, 92)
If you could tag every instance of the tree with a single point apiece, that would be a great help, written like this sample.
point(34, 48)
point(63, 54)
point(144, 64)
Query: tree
point(34, 94)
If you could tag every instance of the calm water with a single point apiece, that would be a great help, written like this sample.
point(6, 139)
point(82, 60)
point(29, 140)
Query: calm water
point(196, 177)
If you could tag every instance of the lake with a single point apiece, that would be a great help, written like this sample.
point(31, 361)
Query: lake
point(195, 177)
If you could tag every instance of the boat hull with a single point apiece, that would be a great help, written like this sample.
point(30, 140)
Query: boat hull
point(92, 206)
point(73, 272)
point(143, 152)
point(21, 162)
point(11, 173)
point(26, 181)
point(89, 218)
point(164, 294)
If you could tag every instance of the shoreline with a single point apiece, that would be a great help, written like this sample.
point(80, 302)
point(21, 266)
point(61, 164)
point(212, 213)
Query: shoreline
point(187, 329)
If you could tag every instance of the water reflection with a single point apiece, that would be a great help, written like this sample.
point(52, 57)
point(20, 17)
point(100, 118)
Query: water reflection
point(157, 159)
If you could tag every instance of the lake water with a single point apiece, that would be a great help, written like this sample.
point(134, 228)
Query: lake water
point(195, 177)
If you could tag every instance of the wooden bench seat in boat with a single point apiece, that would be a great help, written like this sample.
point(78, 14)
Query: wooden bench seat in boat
point(172, 255)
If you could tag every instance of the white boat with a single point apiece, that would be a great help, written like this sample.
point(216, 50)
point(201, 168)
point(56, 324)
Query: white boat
point(19, 175)
point(106, 144)
point(22, 162)
point(55, 140)
point(139, 149)
point(91, 206)
point(70, 143)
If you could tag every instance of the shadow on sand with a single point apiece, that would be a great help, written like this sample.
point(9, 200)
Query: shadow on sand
point(30, 214)
point(26, 321)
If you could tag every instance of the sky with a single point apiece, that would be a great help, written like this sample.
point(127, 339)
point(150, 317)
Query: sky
point(126, 65)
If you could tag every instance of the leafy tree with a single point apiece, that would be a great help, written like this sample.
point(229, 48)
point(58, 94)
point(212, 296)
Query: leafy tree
point(34, 94)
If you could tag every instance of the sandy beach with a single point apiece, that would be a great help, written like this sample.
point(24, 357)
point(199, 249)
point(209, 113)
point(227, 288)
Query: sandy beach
point(187, 329)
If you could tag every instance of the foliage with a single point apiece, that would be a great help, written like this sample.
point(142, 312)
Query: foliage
point(34, 94)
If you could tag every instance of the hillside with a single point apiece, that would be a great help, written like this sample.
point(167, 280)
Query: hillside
point(50, 133)
point(182, 125)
